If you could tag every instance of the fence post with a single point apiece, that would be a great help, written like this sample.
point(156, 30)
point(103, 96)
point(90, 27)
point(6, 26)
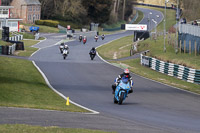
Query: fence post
point(184, 46)
point(180, 46)
point(190, 50)
point(195, 48)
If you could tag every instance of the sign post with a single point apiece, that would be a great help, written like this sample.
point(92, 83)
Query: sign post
point(140, 30)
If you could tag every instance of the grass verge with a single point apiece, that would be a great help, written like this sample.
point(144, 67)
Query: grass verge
point(170, 17)
point(117, 49)
point(45, 29)
point(38, 129)
point(156, 49)
point(134, 66)
point(28, 49)
point(140, 17)
point(23, 86)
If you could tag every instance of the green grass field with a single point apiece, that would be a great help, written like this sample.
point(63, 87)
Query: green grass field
point(117, 49)
point(28, 49)
point(140, 17)
point(135, 67)
point(23, 86)
point(38, 129)
point(45, 29)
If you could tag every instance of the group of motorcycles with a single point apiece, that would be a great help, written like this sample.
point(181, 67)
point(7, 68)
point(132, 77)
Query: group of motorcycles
point(84, 38)
point(64, 50)
point(122, 89)
point(96, 37)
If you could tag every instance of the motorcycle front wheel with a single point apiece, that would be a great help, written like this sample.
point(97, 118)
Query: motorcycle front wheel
point(115, 100)
point(121, 98)
point(64, 57)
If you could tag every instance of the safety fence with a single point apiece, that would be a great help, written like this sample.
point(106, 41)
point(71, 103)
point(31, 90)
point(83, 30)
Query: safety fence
point(189, 43)
point(16, 38)
point(189, 29)
point(178, 71)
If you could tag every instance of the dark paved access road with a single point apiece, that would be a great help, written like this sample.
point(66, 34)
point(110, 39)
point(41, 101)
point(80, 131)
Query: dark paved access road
point(152, 108)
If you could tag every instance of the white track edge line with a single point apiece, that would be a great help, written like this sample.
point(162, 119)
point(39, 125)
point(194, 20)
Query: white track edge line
point(60, 94)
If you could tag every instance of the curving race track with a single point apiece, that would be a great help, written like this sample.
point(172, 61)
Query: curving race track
point(153, 107)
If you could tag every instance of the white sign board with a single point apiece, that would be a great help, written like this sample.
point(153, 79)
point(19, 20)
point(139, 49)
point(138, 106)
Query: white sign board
point(140, 27)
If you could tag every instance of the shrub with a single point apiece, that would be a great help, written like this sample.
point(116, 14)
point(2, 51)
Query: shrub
point(73, 25)
point(39, 22)
point(50, 23)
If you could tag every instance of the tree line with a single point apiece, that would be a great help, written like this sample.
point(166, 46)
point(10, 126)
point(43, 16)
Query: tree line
point(103, 11)
point(86, 11)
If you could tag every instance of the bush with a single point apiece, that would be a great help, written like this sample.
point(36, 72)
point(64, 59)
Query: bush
point(50, 23)
point(39, 22)
point(73, 25)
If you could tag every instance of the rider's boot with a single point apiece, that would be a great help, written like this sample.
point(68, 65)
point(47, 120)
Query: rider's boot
point(113, 88)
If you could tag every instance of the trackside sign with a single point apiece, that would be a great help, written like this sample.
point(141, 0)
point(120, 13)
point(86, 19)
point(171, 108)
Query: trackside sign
point(140, 27)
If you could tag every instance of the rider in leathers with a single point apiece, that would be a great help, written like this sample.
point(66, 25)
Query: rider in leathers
point(125, 74)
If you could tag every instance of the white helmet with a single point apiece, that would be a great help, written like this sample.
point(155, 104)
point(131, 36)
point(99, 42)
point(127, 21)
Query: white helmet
point(66, 46)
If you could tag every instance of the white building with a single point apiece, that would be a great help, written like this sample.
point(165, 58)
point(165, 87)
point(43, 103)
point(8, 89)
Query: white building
point(6, 20)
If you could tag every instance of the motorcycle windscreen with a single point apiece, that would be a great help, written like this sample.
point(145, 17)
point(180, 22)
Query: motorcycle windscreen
point(124, 85)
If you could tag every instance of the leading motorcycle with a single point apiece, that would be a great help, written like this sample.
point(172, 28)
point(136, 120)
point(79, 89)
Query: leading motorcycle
point(92, 55)
point(122, 90)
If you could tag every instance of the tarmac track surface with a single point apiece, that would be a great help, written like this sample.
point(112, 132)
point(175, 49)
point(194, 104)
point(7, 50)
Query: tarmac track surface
point(153, 107)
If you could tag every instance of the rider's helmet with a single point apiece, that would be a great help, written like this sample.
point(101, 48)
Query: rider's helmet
point(66, 46)
point(93, 48)
point(126, 72)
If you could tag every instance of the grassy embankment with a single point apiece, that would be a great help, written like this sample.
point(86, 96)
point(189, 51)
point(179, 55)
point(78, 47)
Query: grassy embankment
point(38, 129)
point(140, 16)
point(23, 86)
point(44, 29)
point(120, 48)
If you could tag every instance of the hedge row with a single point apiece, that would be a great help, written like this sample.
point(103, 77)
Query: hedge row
point(73, 25)
point(50, 23)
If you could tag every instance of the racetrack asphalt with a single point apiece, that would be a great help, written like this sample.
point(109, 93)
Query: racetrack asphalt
point(151, 108)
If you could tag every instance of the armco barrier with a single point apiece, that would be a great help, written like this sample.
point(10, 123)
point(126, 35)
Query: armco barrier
point(11, 49)
point(178, 71)
point(16, 38)
point(5, 50)
point(19, 45)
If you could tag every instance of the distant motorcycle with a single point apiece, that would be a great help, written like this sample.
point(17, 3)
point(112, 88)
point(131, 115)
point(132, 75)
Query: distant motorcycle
point(65, 53)
point(121, 91)
point(80, 38)
point(84, 40)
point(102, 37)
point(96, 38)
